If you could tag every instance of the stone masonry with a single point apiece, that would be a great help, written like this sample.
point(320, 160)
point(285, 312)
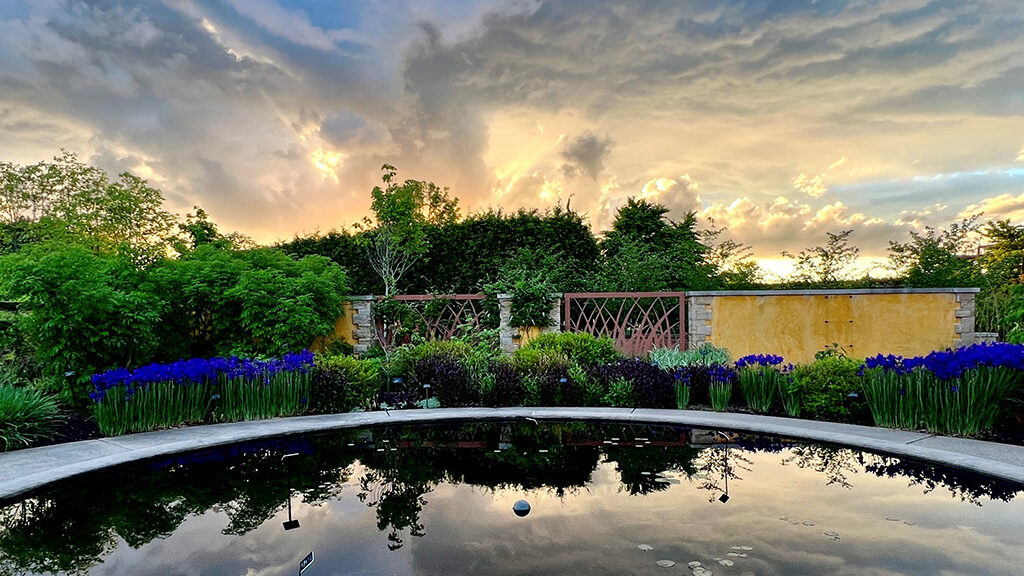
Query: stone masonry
point(965, 319)
point(362, 320)
point(698, 320)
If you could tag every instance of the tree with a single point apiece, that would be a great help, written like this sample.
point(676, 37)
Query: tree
point(87, 311)
point(828, 265)
point(733, 261)
point(198, 230)
point(936, 258)
point(1002, 255)
point(402, 211)
point(67, 197)
point(645, 250)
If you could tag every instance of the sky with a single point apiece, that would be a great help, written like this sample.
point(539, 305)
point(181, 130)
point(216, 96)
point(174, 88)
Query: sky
point(781, 120)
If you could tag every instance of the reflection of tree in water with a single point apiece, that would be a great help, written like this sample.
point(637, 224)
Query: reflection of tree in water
point(835, 463)
point(963, 485)
point(716, 463)
point(70, 529)
point(838, 464)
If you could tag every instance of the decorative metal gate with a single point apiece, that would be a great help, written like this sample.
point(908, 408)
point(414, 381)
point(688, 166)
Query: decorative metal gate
point(638, 321)
point(437, 317)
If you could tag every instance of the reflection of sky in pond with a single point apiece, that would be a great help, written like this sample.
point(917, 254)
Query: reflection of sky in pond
point(784, 511)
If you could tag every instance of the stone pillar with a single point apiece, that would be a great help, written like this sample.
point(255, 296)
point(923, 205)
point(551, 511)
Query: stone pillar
point(362, 322)
point(698, 320)
point(508, 334)
point(964, 318)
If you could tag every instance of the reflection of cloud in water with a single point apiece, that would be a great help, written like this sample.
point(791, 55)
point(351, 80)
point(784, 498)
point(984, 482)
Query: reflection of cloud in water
point(884, 526)
point(596, 531)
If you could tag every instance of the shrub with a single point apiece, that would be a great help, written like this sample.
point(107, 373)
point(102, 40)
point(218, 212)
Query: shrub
point(577, 346)
point(703, 355)
point(831, 389)
point(442, 376)
point(404, 358)
point(620, 393)
point(652, 386)
point(343, 383)
point(506, 387)
point(26, 416)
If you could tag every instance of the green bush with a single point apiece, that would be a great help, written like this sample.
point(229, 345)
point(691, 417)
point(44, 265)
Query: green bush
point(580, 347)
point(26, 416)
point(832, 389)
point(343, 383)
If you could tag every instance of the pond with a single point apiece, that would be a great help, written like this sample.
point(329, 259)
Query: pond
point(603, 499)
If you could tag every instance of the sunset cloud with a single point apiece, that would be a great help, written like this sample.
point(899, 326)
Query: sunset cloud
point(276, 115)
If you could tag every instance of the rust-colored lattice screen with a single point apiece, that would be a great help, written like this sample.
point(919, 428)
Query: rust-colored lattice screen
point(440, 317)
point(638, 321)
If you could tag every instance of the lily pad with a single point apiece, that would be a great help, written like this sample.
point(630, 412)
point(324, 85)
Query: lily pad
point(746, 548)
point(666, 563)
point(694, 564)
point(737, 554)
point(726, 562)
point(645, 547)
point(808, 523)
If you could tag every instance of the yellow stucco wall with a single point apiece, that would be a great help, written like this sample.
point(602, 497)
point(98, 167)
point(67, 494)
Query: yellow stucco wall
point(796, 326)
point(344, 330)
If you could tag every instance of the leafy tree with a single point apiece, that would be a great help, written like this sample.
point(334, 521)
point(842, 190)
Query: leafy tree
point(66, 197)
point(87, 312)
point(1002, 255)
point(263, 301)
point(402, 211)
point(935, 258)
point(828, 265)
point(733, 261)
point(645, 250)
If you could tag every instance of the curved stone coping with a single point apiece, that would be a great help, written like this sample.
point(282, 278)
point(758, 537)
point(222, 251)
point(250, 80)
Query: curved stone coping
point(26, 470)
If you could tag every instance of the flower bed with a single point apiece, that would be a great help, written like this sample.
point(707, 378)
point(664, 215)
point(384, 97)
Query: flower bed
point(200, 390)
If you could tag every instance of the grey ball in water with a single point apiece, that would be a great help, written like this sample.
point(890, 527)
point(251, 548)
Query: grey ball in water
point(521, 508)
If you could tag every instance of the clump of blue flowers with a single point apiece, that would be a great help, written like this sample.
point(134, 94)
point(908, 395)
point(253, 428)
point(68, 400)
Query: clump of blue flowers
point(200, 389)
point(950, 391)
point(759, 360)
point(761, 378)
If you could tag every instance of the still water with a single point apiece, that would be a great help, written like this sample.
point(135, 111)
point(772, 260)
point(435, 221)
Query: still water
point(604, 499)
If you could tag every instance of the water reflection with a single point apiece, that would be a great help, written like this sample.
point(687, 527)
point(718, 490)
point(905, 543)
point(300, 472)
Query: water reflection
point(438, 500)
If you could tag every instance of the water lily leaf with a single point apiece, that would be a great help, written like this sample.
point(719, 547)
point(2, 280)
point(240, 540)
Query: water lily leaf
point(645, 547)
point(726, 562)
point(694, 564)
point(666, 563)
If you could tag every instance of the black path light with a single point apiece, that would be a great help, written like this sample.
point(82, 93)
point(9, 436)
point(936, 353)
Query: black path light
point(290, 524)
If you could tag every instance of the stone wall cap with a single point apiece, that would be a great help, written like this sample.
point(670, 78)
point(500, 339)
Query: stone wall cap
point(835, 292)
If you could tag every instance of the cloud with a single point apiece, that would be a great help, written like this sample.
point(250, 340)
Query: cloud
point(277, 116)
point(586, 154)
point(813, 186)
point(1020, 155)
point(678, 194)
point(1001, 207)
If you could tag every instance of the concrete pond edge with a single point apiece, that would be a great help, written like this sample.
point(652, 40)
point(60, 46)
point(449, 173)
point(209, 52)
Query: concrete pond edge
point(24, 471)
